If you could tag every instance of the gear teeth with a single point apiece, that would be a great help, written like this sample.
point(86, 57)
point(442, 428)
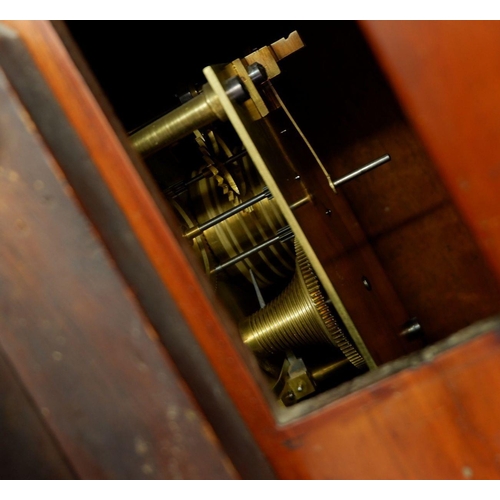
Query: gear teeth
point(336, 335)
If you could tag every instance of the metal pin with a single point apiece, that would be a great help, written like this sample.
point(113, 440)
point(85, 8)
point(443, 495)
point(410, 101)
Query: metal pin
point(366, 283)
point(411, 329)
point(182, 186)
point(235, 157)
point(283, 234)
point(362, 170)
point(300, 203)
point(257, 73)
point(196, 231)
point(262, 303)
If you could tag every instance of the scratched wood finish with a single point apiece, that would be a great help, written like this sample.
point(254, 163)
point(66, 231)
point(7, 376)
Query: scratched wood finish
point(423, 422)
point(27, 448)
point(155, 228)
point(91, 362)
point(446, 75)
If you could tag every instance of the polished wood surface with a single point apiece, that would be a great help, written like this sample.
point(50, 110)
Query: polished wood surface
point(76, 338)
point(437, 421)
point(446, 75)
point(434, 417)
point(184, 278)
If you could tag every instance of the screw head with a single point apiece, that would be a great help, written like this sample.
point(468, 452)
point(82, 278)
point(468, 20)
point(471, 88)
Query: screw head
point(367, 284)
point(412, 330)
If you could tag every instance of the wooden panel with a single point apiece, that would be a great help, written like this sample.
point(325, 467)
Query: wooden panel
point(28, 450)
point(435, 422)
point(403, 207)
point(91, 362)
point(444, 279)
point(124, 174)
point(446, 75)
point(129, 256)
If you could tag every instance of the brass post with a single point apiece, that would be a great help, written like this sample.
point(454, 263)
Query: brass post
point(194, 114)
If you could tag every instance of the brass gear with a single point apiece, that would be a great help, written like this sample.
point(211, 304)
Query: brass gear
point(298, 317)
point(333, 330)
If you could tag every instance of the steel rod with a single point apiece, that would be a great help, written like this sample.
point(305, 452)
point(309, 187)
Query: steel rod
point(284, 234)
point(235, 157)
point(196, 231)
point(362, 170)
point(300, 202)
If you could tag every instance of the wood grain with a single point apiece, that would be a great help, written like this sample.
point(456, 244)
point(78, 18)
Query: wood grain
point(79, 343)
point(155, 228)
point(435, 421)
point(402, 208)
point(446, 75)
point(28, 450)
point(129, 257)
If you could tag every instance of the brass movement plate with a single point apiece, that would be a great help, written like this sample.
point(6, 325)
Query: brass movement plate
point(261, 141)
